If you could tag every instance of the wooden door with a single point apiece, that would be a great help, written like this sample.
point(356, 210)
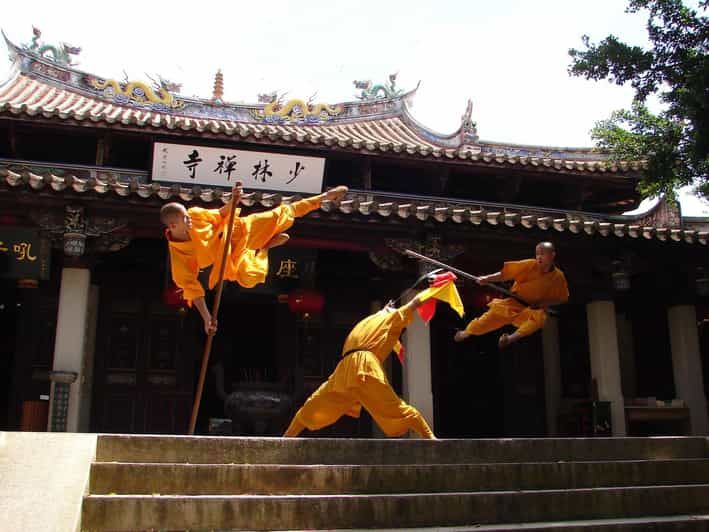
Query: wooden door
point(144, 366)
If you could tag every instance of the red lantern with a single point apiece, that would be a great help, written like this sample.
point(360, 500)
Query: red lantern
point(305, 301)
point(172, 296)
point(482, 296)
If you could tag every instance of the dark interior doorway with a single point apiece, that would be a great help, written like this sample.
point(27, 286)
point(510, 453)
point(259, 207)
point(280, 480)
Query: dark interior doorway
point(8, 331)
point(467, 381)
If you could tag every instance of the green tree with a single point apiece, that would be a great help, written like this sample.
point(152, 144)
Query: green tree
point(674, 143)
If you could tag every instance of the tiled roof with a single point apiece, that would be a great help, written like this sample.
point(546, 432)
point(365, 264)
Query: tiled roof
point(42, 88)
point(375, 205)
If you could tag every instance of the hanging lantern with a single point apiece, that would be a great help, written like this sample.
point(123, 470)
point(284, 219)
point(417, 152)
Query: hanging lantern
point(305, 301)
point(620, 277)
point(172, 297)
point(74, 244)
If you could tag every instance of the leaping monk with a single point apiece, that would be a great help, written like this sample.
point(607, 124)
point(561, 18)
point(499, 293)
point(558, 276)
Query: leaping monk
point(197, 238)
point(536, 281)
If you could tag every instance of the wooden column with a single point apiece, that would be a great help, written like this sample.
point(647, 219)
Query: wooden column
point(552, 372)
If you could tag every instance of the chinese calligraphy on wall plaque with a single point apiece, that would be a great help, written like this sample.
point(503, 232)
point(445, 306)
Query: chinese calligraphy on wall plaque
point(206, 166)
point(23, 254)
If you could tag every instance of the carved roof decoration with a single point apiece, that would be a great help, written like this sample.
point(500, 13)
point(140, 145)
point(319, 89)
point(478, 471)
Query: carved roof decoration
point(44, 84)
point(651, 225)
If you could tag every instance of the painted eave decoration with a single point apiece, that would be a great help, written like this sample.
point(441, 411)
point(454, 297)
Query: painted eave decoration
point(44, 81)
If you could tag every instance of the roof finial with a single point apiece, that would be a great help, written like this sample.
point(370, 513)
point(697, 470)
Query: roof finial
point(468, 127)
point(218, 92)
point(379, 91)
point(60, 54)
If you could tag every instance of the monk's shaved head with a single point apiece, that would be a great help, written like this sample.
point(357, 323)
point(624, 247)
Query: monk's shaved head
point(172, 212)
point(546, 246)
point(545, 254)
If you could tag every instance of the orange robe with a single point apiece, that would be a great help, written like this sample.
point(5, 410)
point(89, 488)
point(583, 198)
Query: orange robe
point(359, 379)
point(531, 284)
point(247, 263)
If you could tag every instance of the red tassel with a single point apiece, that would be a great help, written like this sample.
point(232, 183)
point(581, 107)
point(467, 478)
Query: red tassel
point(400, 354)
point(427, 310)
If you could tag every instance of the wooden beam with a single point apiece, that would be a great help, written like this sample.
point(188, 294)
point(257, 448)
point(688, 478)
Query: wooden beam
point(367, 174)
point(103, 149)
point(13, 141)
point(508, 191)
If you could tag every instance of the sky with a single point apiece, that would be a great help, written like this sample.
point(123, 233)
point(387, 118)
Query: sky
point(509, 56)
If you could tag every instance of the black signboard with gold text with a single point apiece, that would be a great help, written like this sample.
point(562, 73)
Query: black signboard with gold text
point(23, 254)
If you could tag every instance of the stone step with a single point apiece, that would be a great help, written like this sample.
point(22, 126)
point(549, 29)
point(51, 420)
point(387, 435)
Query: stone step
point(201, 449)
point(236, 479)
point(254, 512)
point(675, 523)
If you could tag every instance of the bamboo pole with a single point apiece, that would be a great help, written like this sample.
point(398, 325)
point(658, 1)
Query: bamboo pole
point(215, 312)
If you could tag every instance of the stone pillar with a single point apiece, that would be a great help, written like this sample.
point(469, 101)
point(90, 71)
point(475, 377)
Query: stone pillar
point(417, 381)
point(552, 373)
point(69, 350)
point(87, 371)
point(605, 362)
point(418, 390)
point(687, 364)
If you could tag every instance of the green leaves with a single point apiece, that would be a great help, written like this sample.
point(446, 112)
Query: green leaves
point(654, 140)
point(673, 145)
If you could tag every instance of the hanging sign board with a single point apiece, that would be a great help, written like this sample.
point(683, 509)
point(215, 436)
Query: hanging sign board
point(206, 166)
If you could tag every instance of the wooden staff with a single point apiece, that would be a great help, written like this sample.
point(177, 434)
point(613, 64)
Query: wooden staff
point(215, 311)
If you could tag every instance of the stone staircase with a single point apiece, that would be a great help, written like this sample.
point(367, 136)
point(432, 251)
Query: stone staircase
point(205, 483)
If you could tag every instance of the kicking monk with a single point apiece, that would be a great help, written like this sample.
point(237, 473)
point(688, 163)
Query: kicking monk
point(359, 379)
point(537, 281)
point(196, 240)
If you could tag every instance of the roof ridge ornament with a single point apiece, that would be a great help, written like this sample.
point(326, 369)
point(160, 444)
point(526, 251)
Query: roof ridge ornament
point(664, 214)
point(294, 111)
point(468, 127)
point(157, 98)
point(218, 92)
point(379, 91)
point(60, 54)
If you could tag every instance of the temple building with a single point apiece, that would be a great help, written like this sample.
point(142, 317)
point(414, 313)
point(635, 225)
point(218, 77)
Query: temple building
point(96, 337)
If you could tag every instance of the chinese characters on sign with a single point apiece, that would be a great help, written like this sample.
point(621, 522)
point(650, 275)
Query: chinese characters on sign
point(287, 269)
point(230, 165)
point(201, 165)
point(261, 171)
point(192, 161)
point(23, 254)
point(294, 173)
point(21, 250)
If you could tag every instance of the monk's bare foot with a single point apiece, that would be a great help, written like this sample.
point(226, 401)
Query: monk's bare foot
point(504, 341)
point(278, 240)
point(460, 336)
point(337, 193)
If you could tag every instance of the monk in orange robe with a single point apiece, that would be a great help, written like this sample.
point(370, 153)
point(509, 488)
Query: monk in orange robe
point(359, 379)
point(196, 239)
point(537, 281)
